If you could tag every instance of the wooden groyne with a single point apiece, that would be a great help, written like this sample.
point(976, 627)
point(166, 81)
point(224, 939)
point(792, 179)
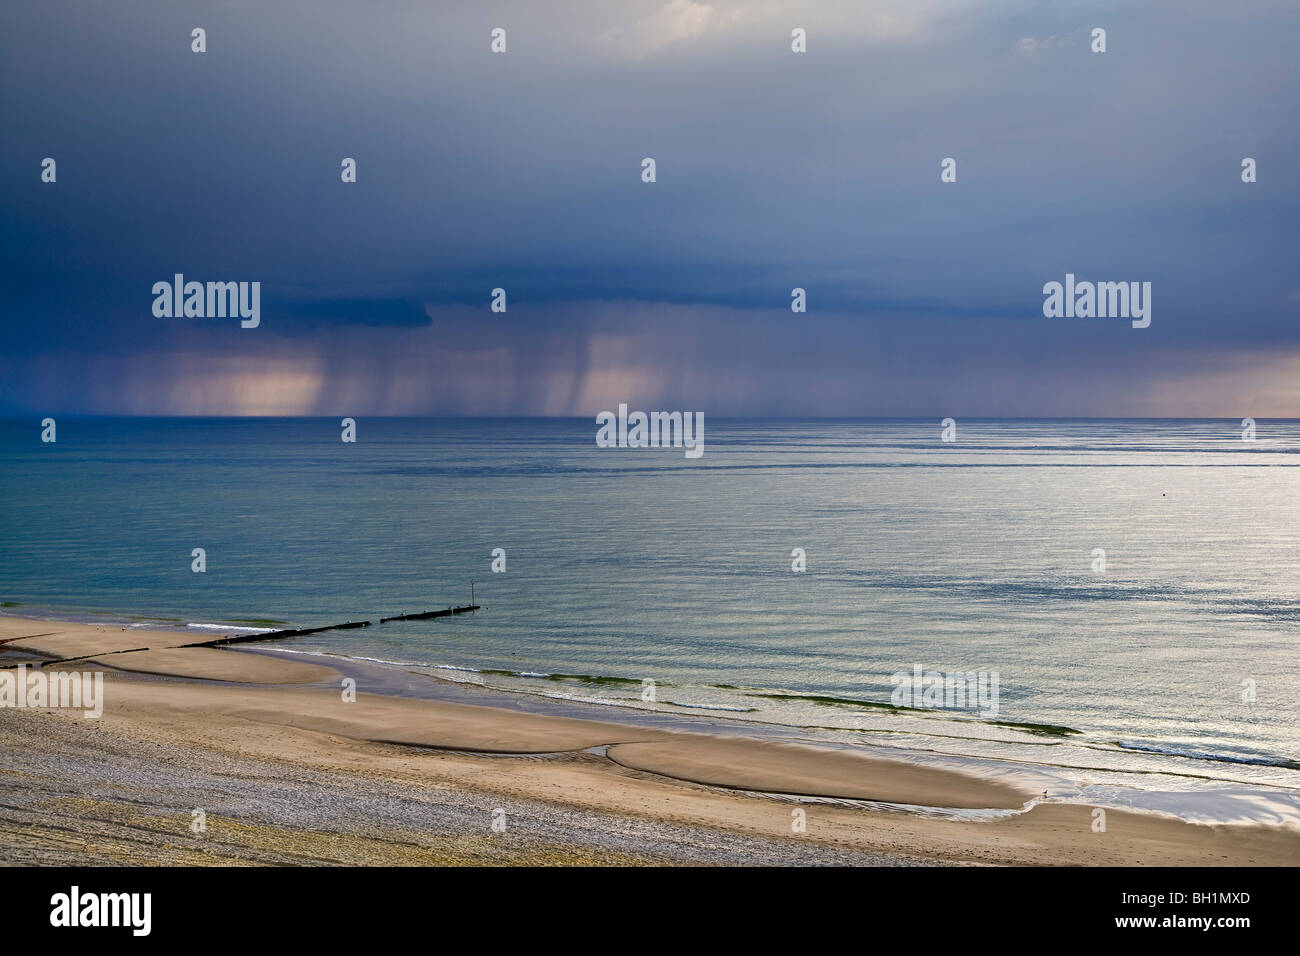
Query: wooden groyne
point(300, 631)
point(49, 660)
point(277, 635)
point(424, 615)
point(238, 638)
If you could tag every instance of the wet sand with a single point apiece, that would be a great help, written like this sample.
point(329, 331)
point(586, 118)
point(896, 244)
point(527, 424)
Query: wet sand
point(633, 794)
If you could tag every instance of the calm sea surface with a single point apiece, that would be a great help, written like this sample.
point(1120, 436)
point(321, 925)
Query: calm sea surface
point(1176, 665)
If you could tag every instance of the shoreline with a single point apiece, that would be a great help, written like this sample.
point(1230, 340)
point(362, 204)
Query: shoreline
point(1210, 789)
point(1111, 763)
point(204, 704)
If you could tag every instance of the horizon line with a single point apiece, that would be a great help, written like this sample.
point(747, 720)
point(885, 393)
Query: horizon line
point(770, 418)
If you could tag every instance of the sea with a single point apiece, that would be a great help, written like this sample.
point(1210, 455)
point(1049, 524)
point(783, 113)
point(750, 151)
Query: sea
point(1132, 586)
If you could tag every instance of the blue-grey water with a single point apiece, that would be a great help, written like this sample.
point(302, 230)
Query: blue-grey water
point(1176, 664)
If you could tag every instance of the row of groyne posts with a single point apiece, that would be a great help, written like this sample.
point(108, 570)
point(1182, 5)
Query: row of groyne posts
point(265, 635)
point(299, 631)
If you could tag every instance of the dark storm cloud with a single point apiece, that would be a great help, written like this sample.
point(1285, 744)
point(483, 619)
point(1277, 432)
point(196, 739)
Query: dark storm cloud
point(775, 170)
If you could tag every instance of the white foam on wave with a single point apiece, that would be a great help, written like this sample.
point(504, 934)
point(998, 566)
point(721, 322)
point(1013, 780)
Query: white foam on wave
point(1251, 760)
point(1210, 805)
point(225, 627)
point(381, 660)
point(737, 710)
point(474, 679)
point(578, 698)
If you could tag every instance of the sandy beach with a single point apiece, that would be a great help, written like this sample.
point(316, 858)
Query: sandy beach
point(285, 770)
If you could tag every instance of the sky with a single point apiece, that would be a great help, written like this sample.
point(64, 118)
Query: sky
point(774, 170)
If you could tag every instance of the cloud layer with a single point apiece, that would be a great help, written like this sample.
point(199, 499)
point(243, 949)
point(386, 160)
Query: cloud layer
point(775, 170)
